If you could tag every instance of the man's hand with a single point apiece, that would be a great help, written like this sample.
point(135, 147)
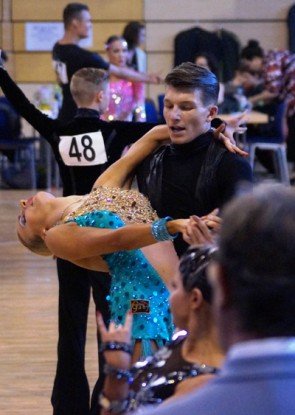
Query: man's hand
point(201, 231)
point(212, 220)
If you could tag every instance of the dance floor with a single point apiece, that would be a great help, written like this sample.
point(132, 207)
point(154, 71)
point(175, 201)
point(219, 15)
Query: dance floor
point(28, 321)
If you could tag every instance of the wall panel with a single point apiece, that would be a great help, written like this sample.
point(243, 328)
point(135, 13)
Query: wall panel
point(34, 67)
point(160, 36)
point(101, 31)
point(215, 10)
point(47, 10)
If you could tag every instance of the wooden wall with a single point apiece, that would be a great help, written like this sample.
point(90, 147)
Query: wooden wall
point(264, 20)
point(109, 17)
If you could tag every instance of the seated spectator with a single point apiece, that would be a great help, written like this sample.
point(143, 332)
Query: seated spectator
point(278, 71)
point(208, 61)
point(188, 362)
point(10, 125)
point(236, 91)
point(126, 97)
point(253, 282)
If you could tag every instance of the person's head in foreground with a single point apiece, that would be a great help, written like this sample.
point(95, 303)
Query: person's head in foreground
point(90, 88)
point(191, 295)
point(190, 101)
point(253, 278)
point(77, 19)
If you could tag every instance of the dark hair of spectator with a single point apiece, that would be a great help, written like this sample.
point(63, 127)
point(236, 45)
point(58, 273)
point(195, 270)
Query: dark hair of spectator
point(189, 77)
point(131, 33)
point(72, 11)
point(193, 270)
point(256, 251)
point(212, 61)
point(252, 50)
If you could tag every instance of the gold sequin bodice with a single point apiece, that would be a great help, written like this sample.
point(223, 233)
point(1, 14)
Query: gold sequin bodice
point(130, 205)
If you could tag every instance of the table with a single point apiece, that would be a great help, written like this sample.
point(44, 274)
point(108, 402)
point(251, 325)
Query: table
point(253, 117)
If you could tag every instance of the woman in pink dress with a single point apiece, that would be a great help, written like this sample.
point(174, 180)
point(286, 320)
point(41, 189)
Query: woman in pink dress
point(126, 97)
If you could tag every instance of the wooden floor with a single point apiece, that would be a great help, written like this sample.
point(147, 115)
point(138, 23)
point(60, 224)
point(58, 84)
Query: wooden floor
point(28, 321)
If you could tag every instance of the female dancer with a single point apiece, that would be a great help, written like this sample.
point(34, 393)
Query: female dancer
point(126, 97)
point(184, 365)
point(113, 222)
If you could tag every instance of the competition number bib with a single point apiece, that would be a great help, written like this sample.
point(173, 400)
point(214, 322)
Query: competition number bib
point(83, 150)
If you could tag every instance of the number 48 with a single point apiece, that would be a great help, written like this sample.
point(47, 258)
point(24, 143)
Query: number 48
point(87, 152)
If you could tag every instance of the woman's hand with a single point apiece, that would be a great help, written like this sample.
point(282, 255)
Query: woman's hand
point(226, 135)
point(116, 333)
point(177, 226)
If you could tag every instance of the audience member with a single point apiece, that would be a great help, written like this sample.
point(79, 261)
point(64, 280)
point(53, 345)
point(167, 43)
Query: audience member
point(10, 125)
point(134, 33)
point(253, 285)
point(127, 99)
point(186, 364)
point(236, 91)
point(208, 61)
point(278, 71)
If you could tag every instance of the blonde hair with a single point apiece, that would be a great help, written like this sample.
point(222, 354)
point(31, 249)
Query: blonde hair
point(36, 245)
point(86, 82)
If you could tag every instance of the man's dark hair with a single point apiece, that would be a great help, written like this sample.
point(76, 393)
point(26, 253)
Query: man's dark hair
point(131, 33)
point(189, 77)
point(72, 11)
point(256, 250)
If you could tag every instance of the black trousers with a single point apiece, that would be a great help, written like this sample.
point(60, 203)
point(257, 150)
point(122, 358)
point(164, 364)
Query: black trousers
point(71, 394)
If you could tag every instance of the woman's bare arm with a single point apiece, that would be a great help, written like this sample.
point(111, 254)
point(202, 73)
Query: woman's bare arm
point(93, 264)
point(119, 172)
point(73, 243)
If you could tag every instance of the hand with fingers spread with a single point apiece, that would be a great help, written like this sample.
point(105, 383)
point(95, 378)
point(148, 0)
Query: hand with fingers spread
point(225, 134)
point(119, 335)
